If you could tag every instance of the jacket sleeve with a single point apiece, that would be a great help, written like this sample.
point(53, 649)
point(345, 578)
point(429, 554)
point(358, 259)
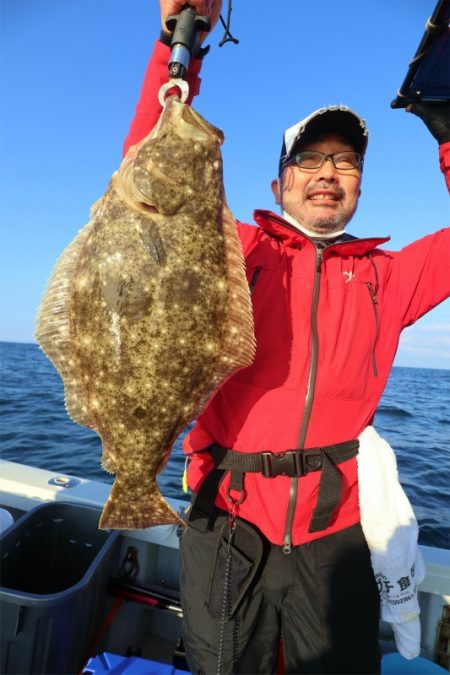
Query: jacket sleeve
point(148, 108)
point(444, 162)
point(196, 447)
point(420, 276)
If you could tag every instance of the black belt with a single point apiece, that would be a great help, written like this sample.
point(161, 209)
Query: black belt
point(293, 463)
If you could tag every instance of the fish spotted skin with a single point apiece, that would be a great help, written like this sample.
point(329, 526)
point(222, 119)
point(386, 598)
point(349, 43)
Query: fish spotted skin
point(147, 312)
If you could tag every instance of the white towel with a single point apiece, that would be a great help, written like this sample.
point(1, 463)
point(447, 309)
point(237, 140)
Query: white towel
point(6, 520)
point(390, 528)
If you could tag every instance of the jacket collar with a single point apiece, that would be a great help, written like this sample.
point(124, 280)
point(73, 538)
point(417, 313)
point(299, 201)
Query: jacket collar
point(276, 226)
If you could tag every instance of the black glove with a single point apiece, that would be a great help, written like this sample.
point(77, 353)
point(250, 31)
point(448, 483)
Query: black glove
point(436, 117)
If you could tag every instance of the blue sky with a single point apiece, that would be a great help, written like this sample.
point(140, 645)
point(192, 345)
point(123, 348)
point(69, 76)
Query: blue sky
point(71, 74)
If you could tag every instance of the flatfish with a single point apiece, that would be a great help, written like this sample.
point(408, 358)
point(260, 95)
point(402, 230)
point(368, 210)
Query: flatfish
point(147, 311)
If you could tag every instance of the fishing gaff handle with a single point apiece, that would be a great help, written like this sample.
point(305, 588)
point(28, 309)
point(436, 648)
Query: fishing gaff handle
point(184, 27)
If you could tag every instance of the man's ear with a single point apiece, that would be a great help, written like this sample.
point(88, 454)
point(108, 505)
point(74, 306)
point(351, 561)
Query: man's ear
point(276, 190)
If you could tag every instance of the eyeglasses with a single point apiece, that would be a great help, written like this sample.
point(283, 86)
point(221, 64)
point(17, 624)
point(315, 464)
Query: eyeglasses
point(342, 161)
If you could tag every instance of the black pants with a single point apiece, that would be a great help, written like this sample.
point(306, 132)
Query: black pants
point(321, 600)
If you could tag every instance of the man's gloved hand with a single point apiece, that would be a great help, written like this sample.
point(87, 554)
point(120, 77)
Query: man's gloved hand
point(436, 116)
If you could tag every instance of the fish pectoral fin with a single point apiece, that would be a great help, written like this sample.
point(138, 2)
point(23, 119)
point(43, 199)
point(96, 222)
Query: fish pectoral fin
point(135, 506)
point(154, 244)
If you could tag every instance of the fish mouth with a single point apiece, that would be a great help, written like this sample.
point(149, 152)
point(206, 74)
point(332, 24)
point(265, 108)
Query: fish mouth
point(148, 207)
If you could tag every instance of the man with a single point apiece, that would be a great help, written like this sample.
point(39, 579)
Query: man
point(274, 546)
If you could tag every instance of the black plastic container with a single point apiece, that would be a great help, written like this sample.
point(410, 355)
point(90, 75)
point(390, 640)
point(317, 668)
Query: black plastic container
point(55, 566)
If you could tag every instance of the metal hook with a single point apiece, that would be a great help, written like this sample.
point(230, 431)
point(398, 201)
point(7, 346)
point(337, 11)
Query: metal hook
point(181, 85)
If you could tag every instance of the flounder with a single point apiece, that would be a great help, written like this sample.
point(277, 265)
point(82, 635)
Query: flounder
point(147, 311)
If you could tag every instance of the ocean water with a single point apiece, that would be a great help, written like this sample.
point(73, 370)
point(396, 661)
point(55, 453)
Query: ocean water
point(413, 416)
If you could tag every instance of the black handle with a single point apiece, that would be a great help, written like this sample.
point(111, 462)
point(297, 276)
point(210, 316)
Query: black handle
point(184, 27)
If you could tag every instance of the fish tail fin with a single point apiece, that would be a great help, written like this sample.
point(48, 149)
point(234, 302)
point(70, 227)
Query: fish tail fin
point(136, 507)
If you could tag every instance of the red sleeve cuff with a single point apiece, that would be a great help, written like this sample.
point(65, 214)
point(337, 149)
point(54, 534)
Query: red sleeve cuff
point(195, 446)
point(196, 440)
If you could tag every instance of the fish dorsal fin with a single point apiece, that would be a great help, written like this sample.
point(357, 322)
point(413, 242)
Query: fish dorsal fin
point(54, 330)
point(239, 344)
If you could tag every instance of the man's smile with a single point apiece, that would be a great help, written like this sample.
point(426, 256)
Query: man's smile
point(324, 196)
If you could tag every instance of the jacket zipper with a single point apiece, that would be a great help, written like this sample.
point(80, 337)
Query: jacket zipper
point(253, 280)
point(373, 297)
point(293, 491)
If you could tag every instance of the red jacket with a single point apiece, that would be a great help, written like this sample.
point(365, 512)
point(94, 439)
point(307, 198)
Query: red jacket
point(326, 341)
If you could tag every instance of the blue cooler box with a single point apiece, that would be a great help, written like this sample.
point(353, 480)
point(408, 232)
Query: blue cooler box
point(395, 664)
point(132, 665)
point(54, 576)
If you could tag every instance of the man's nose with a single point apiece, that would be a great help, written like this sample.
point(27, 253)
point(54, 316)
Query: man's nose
point(328, 170)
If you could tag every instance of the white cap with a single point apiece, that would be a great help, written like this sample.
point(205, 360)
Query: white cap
point(334, 119)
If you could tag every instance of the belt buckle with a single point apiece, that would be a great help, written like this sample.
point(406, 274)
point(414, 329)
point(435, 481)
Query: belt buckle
point(281, 464)
point(312, 460)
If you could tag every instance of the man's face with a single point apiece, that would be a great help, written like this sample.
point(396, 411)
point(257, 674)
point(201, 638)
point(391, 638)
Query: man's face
point(325, 199)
